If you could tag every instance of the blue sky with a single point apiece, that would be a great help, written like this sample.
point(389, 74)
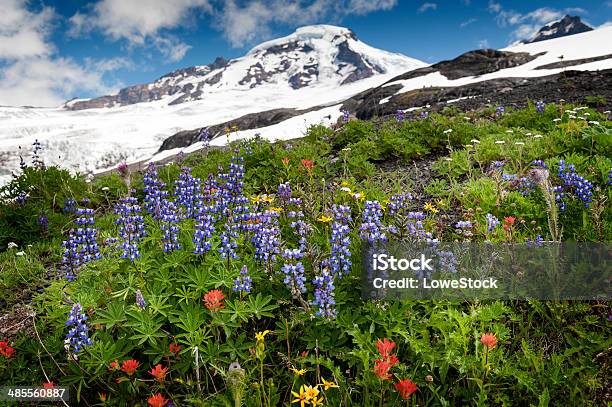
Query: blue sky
point(52, 50)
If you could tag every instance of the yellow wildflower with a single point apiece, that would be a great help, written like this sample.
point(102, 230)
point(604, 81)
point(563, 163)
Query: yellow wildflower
point(311, 392)
point(267, 198)
point(276, 209)
point(328, 385)
point(317, 401)
point(256, 199)
point(300, 397)
point(261, 335)
point(324, 219)
point(431, 208)
point(359, 195)
point(344, 184)
point(299, 372)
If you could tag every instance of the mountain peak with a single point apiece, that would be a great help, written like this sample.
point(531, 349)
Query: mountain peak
point(314, 56)
point(308, 33)
point(568, 25)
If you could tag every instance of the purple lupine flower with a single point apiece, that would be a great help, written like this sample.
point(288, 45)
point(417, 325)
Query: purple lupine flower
point(559, 196)
point(140, 301)
point(463, 228)
point(423, 115)
point(284, 192)
point(582, 187)
point(243, 282)
point(609, 178)
point(85, 201)
point(539, 163)
point(371, 226)
point(324, 294)
point(540, 106)
point(537, 242)
point(170, 217)
point(155, 193)
point(43, 223)
point(266, 236)
point(228, 240)
point(499, 110)
point(204, 136)
point(399, 204)
point(301, 229)
point(340, 259)
point(188, 191)
point(69, 205)
point(399, 116)
point(294, 271)
point(497, 164)
point(492, 222)
point(131, 227)
point(81, 246)
point(204, 229)
point(37, 161)
point(77, 336)
point(22, 197)
point(345, 115)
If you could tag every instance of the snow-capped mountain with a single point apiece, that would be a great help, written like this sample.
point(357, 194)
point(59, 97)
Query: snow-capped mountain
point(311, 56)
point(568, 25)
point(314, 66)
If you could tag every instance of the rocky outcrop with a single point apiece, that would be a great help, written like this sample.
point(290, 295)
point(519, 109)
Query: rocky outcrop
point(473, 63)
point(568, 25)
point(574, 62)
point(249, 121)
point(167, 85)
point(572, 86)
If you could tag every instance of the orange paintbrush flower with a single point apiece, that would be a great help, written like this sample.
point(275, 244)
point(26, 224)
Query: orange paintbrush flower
point(489, 340)
point(159, 372)
point(130, 366)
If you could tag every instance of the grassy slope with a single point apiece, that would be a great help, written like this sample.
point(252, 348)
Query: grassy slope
point(550, 350)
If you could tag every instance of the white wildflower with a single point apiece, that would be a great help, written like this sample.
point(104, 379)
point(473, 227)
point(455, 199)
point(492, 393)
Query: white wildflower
point(519, 143)
point(12, 245)
point(500, 142)
point(20, 254)
point(595, 122)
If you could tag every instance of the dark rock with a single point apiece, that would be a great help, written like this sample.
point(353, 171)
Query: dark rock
point(573, 86)
point(573, 62)
point(250, 121)
point(346, 56)
point(568, 25)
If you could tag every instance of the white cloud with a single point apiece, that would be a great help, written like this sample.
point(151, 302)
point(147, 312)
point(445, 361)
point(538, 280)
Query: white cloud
point(247, 22)
point(468, 22)
point(482, 44)
point(494, 7)
point(140, 22)
point(31, 72)
point(427, 6)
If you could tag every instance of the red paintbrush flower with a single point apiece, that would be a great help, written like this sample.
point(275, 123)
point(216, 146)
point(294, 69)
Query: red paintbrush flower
point(308, 164)
point(49, 385)
point(7, 352)
point(489, 340)
point(157, 401)
point(159, 372)
point(212, 300)
point(406, 387)
point(130, 366)
point(285, 161)
point(114, 365)
point(175, 348)
point(385, 347)
point(381, 369)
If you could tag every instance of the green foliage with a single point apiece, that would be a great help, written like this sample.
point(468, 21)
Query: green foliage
point(547, 353)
